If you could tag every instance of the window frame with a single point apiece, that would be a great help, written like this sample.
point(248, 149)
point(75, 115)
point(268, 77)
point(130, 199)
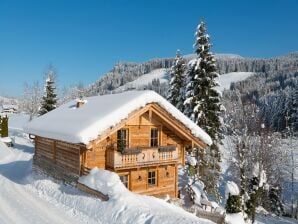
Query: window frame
point(151, 179)
point(121, 139)
point(125, 183)
point(154, 140)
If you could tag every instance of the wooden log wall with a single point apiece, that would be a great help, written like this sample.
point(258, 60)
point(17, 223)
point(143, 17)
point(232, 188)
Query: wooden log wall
point(95, 157)
point(166, 180)
point(52, 153)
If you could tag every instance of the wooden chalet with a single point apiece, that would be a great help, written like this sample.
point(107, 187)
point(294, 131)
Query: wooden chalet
point(137, 134)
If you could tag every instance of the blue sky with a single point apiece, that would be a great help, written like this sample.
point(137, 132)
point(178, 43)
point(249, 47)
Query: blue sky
point(84, 39)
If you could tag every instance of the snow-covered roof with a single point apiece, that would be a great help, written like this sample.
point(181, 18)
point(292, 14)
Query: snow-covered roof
point(81, 125)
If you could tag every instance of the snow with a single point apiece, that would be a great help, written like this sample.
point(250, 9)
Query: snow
point(272, 219)
point(236, 218)
point(81, 100)
point(200, 196)
point(231, 189)
point(142, 81)
point(6, 140)
point(260, 174)
point(228, 56)
point(225, 80)
point(101, 113)
point(104, 181)
point(191, 160)
point(32, 198)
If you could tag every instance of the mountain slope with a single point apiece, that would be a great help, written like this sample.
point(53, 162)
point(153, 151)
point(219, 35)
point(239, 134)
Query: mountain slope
point(126, 72)
point(140, 83)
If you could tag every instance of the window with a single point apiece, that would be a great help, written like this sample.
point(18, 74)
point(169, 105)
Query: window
point(151, 178)
point(124, 180)
point(154, 137)
point(122, 139)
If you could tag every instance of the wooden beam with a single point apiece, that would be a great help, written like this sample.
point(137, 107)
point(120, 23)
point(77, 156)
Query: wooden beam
point(172, 122)
point(150, 115)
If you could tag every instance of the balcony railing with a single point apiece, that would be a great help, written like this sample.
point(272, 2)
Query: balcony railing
point(141, 156)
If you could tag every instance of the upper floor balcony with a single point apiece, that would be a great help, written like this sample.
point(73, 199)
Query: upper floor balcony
point(141, 156)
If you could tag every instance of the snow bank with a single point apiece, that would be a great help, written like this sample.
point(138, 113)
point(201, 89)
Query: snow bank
point(4, 152)
point(6, 140)
point(124, 206)
point(104, 181)
point(81, 125)
point(232, 189)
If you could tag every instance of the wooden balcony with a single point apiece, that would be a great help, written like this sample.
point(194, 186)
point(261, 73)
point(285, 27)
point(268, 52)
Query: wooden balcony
point(141, 156)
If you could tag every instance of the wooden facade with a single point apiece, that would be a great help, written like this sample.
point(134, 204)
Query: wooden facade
point(144, 150)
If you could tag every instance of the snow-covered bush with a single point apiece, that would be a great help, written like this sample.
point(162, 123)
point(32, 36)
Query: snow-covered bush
point(233, 204)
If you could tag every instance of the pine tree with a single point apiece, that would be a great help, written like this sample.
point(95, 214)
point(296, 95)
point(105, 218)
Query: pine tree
point(4, 126)
point(233, 197)
point(233, 204)
point(176, 91)
point(202, 104)
point(49, 100)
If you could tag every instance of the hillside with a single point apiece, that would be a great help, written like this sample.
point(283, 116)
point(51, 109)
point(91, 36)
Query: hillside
point(127, 72)
point(162, 75)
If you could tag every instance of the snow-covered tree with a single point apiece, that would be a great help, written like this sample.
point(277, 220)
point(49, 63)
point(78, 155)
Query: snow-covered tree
point(49, 99)
point(251, 142)
point(72, 92)
point(234, 203)
point(274, 202)
point(256, 186)
point(292, 108)
point(30, 102)
point(202, 104)
point(176, 90)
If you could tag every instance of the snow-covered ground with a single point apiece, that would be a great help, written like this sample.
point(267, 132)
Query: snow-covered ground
point(270, 219)
point(139, 83)
point(34, 198)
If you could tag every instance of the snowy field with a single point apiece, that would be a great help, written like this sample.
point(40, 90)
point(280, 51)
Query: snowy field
point(33, 198)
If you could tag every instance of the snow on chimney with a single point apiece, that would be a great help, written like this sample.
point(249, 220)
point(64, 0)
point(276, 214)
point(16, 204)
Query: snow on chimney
point(80, 102)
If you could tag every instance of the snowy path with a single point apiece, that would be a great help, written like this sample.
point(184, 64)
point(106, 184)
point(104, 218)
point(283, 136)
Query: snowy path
point(17, 203)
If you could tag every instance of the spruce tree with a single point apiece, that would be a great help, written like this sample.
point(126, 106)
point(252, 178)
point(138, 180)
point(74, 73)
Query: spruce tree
point(202, 104)
point(176, 92)
point(49, 100)
point(233, 204)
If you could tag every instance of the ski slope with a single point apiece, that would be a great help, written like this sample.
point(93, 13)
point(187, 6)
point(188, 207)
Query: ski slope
point(225, 80)
point(146, 79)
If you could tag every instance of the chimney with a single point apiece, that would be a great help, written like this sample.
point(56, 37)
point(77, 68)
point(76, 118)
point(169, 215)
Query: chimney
point(80, 103)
